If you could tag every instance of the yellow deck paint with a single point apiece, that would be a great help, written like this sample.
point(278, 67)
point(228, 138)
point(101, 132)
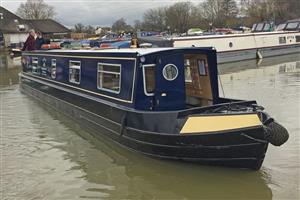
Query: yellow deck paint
point(219, 123)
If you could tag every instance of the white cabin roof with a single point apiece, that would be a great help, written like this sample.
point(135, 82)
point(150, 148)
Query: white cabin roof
point(230, 35)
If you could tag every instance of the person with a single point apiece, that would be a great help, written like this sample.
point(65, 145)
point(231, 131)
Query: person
point(134, 42)
point(29, 44)
point(39, 41)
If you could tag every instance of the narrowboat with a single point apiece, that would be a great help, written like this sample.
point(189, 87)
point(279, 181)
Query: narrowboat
point(260, 43)
point(161, 102)
point(246, 46)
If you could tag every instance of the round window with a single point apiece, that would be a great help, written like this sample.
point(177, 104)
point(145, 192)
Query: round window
point(170, 72)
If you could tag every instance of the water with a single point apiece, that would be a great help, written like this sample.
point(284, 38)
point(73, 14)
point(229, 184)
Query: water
point(45, 155)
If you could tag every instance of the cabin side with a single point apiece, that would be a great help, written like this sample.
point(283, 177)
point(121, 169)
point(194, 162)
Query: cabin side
point(105, 77)
point(177, 79)
point(148, 80)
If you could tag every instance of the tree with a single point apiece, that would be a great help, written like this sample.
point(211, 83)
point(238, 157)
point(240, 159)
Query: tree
point(229, 8)
point(178, 16)
point(229, 12)
point(89, 29)
point(120, 25)
point(79, 28)
point(35, 9)
point(138, 25)
point(155, 19)
point(211, 11)
point(270, 10)
point(220, 13)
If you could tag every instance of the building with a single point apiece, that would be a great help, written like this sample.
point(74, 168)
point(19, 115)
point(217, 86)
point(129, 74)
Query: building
point(14, 30)
point(49, 28)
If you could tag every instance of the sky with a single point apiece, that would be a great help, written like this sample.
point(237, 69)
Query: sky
point(97, 12)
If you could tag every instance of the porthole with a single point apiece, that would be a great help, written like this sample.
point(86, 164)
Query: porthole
point(170, 72)
point(230, 44)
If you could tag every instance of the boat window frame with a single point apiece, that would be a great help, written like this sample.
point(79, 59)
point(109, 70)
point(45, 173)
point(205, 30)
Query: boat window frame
point(282, 40)
point(187, 65)
point(109, 72)
point(75, 61)
point(267, 27)
point(259, 27)
point(281, 27)
point(37, 65)
point(52, 64)
point(144, 79)
point(292, 28)
point(164, 71)
point(253, 27)
point(203, 71)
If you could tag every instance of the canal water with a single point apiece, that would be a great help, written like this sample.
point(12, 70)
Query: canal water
point(45, 155)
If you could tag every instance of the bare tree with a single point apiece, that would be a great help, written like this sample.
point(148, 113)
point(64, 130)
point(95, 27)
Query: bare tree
point(178, 16)
point(35, 9)
point(270, 10)
point(89, 29)
point(79, 28)
point(155, 19)
point(138, 25)
point(121, 25)
point(229, 8)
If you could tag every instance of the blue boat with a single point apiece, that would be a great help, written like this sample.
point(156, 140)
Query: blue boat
point(162, 102)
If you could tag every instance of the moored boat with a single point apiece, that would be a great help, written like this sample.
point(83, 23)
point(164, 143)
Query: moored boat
point(259, 44)
point(162, 102)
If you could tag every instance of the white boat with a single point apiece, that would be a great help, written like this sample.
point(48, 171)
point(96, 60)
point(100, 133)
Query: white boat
point(258, 44)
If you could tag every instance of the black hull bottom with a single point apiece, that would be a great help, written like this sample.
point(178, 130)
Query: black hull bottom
point(208, 149)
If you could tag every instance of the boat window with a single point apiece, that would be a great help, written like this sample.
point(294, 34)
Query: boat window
point(280, 27)
point(35, 66)
point(149, 79)
point(53, 68)
point(282, 40)
point(74, 71)
point(44, 67)
point(267, 27)
point(109, 77)
point(170, 72)
point(292, 25)
point(253, 27)
point(259, 27)
point(297, 38)
point(202, 67)
point(187, 71)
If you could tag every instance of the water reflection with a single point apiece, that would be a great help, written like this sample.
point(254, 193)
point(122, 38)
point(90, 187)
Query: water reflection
point(9, 69)
point(282, 63)
point(47, 156)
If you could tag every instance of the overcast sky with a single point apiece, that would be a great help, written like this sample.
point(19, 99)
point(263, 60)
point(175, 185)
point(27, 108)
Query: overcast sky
point(97, 12)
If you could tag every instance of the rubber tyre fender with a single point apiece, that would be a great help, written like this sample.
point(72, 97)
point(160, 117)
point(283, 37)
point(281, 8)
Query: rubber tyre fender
point(276, 134)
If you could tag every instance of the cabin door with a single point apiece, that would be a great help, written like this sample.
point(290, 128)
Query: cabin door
point(169, 83)
point(197, 80)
